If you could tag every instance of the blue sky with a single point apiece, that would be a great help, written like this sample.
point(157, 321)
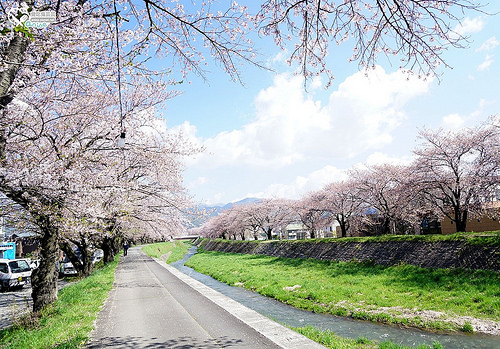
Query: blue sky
point(271, 138)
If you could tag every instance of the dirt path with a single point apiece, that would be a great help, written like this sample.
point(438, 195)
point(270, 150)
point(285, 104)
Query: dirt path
point(165, 256)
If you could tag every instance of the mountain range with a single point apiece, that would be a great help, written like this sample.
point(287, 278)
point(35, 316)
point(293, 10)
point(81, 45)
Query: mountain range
point(214, 210)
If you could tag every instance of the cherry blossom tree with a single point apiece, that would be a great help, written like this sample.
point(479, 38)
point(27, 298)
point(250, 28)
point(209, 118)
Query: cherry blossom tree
point(339, 199)
point(209, 229)
point(143, 200)
point(219, 226)
point(311, 213)
point(492, 146)
point(80, 53)
point(456, 170)
point(62, 164)
point(87, 34)
point(384, 189)
point(417, 32)
point(269, 215)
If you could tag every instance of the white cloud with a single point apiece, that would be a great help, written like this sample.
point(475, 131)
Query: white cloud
point(468, 26)
point(188, 131)
point(302, 185)
point(379, 158)
point(453, 121)
point(488, 61)
point(293, 130)
point(278, 58)
point(291, 127)
point(488, 45)
point(367, 109)
point(456, 121)
point(197, 182)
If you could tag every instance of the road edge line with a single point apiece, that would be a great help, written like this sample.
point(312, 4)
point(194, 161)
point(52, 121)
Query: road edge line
point(277, 333)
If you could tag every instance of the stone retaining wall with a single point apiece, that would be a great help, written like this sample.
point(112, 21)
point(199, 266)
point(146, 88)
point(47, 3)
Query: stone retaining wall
point(439, 254)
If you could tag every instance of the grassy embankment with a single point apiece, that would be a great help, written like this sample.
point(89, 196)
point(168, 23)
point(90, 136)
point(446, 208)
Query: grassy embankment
point(483, 238)
point(330, 340)
point(68, 322)
point(364, 291)
point(175, 250)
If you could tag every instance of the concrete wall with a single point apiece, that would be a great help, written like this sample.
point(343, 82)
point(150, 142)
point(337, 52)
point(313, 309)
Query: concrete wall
point(443, 254)
point(477, 225)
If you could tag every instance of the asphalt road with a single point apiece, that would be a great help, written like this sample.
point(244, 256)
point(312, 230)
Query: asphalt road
point(13, 304)
point(153, 305)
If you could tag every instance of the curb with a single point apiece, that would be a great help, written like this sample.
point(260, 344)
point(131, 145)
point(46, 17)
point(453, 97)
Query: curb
point(279, 334)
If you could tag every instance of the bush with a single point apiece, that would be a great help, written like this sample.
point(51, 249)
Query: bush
point(467, 327)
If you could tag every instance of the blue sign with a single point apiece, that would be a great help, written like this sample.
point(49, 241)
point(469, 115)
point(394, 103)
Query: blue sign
point(8, 250)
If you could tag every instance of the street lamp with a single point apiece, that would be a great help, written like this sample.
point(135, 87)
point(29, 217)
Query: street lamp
point(121, 140)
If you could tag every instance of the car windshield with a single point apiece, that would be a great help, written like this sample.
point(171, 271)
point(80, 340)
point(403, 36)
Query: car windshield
point(19, 266)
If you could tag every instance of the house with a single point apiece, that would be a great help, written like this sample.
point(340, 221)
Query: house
point(298, 231)
point(26, 243)
point(294, 231)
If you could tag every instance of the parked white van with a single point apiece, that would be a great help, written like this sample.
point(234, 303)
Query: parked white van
point(14, 273)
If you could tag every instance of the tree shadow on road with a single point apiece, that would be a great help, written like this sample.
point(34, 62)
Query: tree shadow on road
point(184, 342)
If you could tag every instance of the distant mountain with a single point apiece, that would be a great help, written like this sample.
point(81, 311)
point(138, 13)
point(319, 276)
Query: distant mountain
point(215, 210)
point(246, 201)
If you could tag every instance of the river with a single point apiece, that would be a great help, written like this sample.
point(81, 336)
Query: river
point(344, 327)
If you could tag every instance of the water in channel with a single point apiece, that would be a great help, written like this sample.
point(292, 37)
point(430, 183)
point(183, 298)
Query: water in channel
point(343, 327)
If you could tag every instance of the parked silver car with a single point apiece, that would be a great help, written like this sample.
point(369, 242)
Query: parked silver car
point(67, 268)
point(14, 273)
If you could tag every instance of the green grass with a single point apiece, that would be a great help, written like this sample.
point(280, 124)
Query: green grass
point(482, 238)
point(330, 340)
point(358, 289)
point(177, 250)
point(68, 322)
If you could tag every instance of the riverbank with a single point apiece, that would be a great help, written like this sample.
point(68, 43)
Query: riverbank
point(436, 299)
point(67, 323)
point(473, 251)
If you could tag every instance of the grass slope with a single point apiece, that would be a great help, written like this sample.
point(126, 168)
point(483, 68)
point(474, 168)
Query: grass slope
point(68, 322)
point(361, 290)
point(176, 250)
point(330, 340)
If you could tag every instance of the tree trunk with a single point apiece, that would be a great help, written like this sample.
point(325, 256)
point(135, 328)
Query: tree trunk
point(14, 53)
point(110, 247)
point(83, 264)
point(313, 233)
point(87, 261)
point(269, 233)
point(85, 255)
point(73, 258)
point(44, 278)
point(107, 250)
point(343, 227)
point(460, 220)
point(386, 226)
